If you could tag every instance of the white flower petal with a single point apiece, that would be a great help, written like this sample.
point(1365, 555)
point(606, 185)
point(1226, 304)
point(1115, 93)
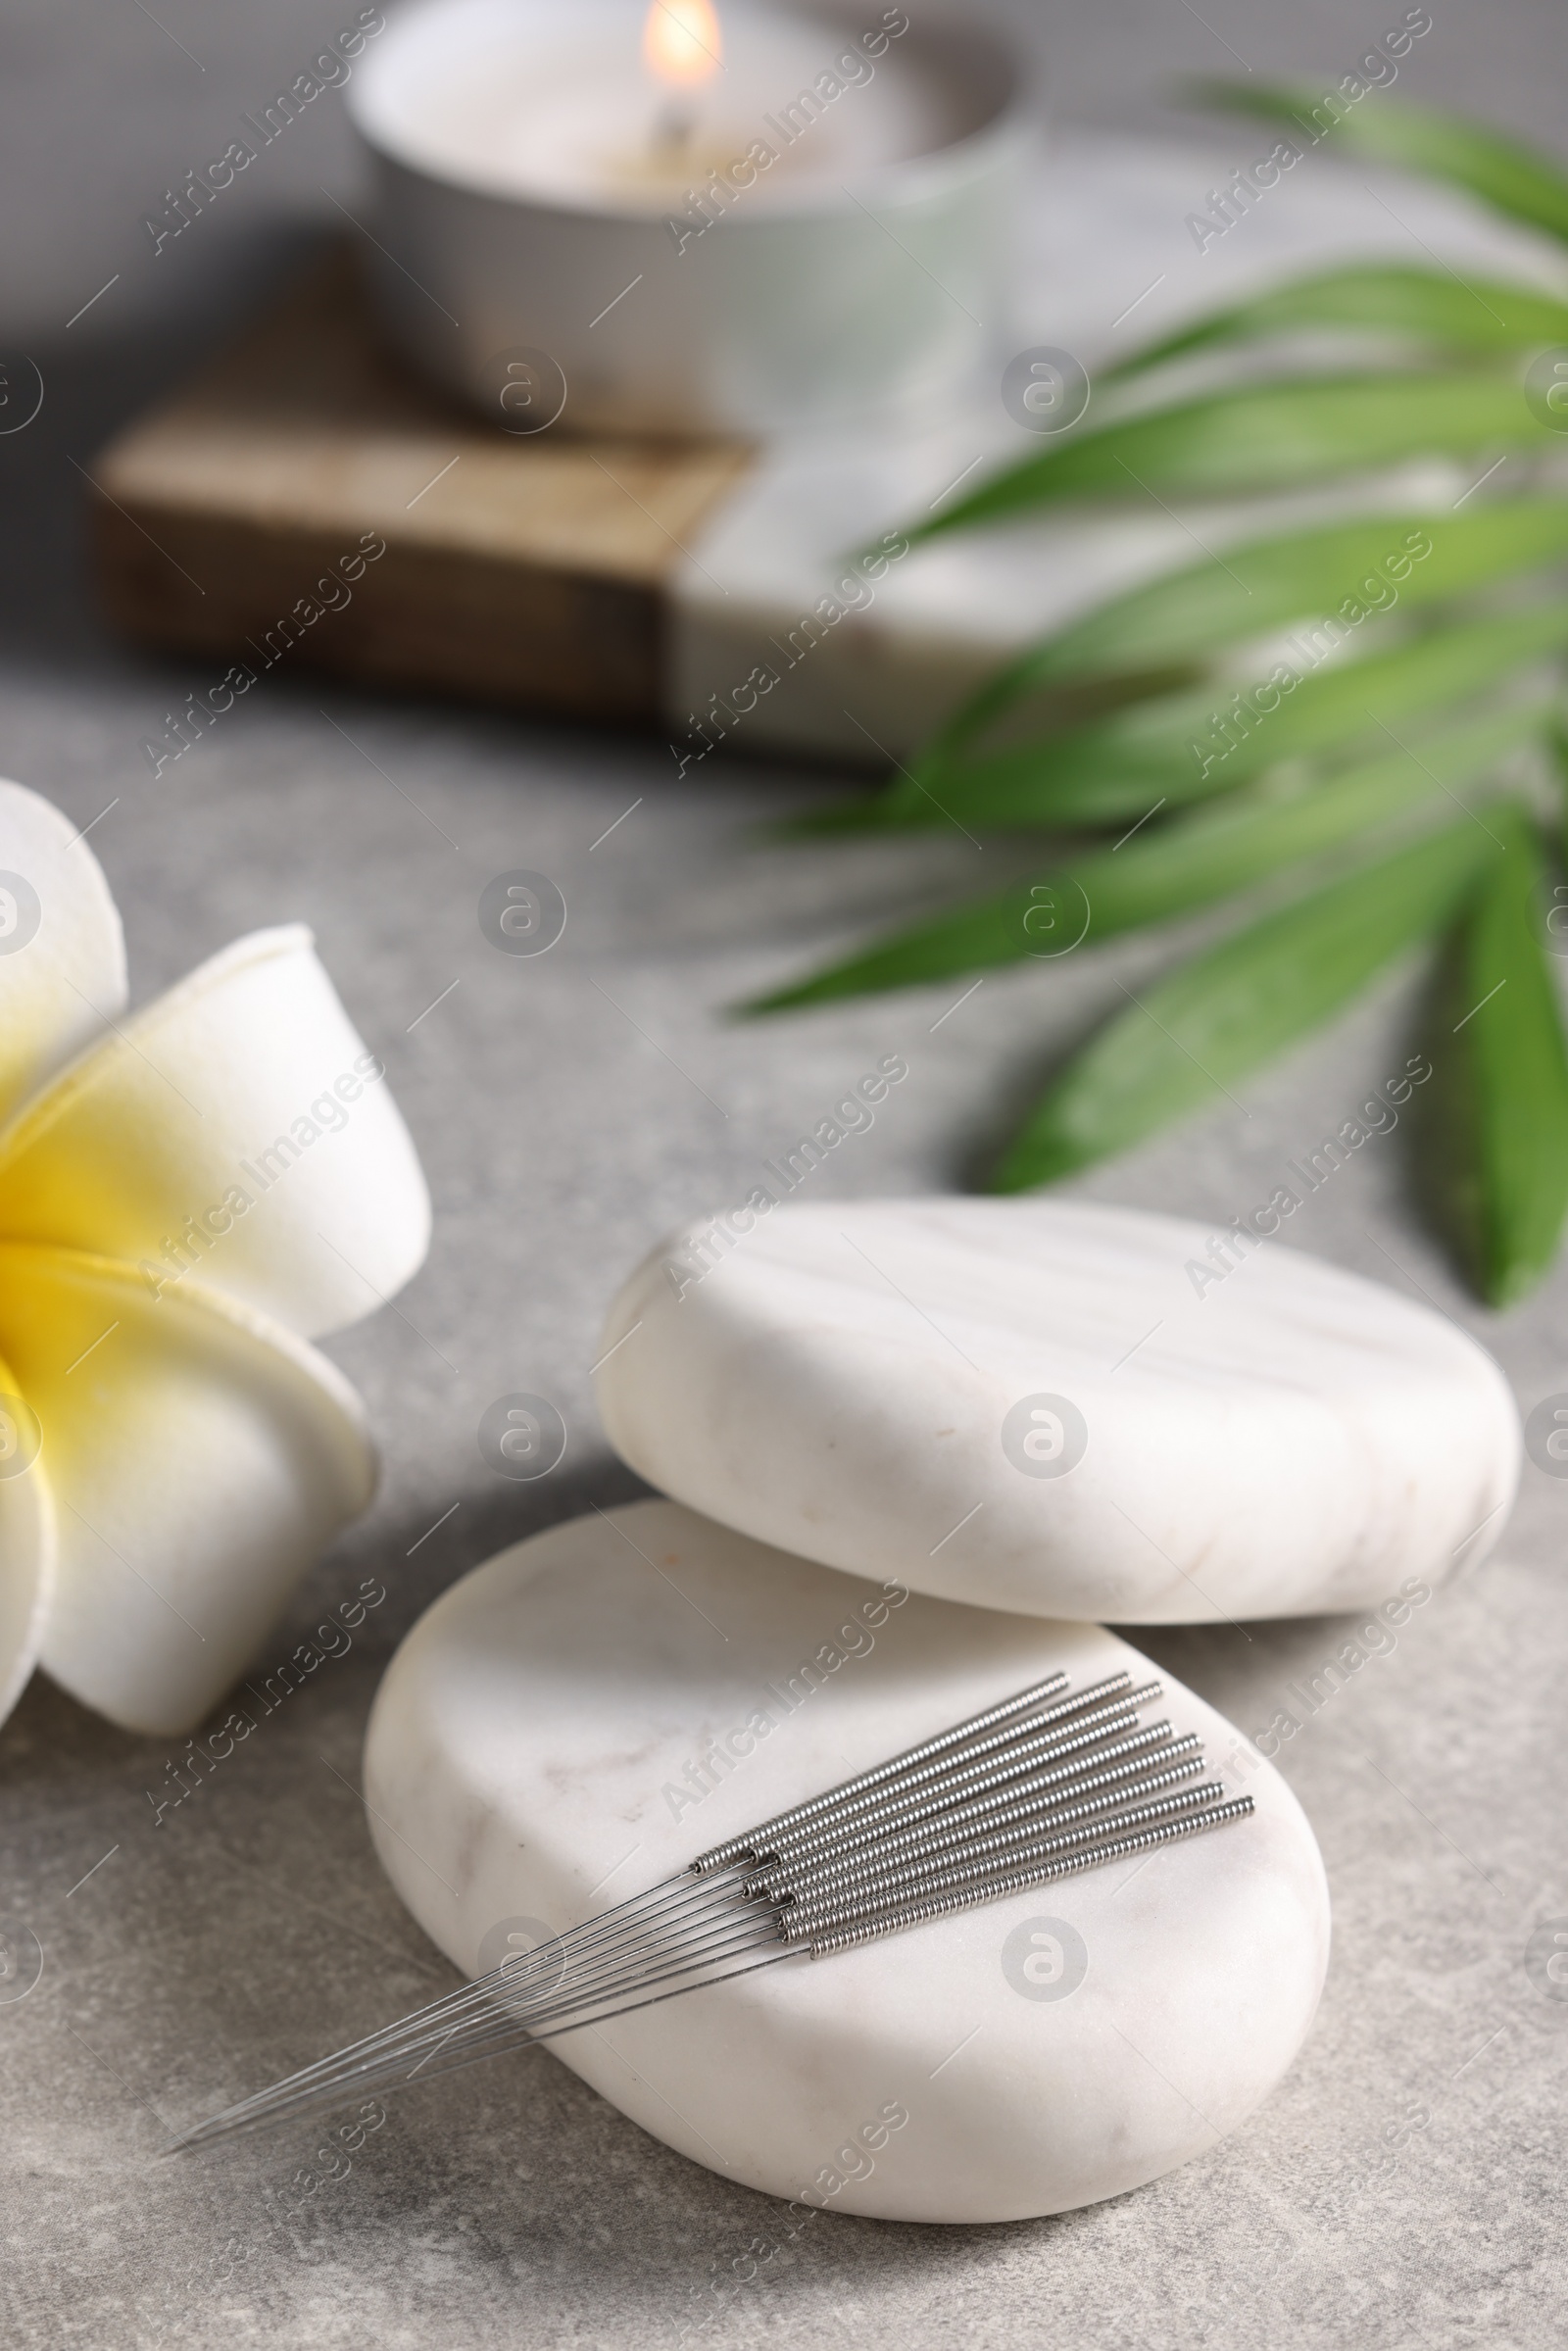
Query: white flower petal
point(62, 949)
point(26, 1543)
point(236, 1127)
point(199, 1458)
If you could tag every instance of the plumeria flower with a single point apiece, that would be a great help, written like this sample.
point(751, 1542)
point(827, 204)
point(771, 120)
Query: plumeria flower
point(188, 1194)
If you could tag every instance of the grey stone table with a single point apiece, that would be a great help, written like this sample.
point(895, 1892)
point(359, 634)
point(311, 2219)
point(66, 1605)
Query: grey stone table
point(1404, 2184)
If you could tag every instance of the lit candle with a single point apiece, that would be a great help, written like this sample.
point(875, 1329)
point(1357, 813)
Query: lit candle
point(583, 118)
point(781, 219)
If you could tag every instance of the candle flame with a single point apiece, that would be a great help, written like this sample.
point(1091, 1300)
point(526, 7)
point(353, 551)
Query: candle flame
point(682, 44)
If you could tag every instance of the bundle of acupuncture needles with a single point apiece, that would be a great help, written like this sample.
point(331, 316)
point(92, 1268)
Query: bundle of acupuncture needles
point(1043, 1785)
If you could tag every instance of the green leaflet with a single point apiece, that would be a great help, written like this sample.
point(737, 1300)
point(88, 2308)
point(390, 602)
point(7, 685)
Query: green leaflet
point(1480, 314)
point(1258, 438)
point(1245, 591)
point(1185, 866)
point(1512, 1037)
point(1189, 746)
point(1190, 1035)
point(1510, 177)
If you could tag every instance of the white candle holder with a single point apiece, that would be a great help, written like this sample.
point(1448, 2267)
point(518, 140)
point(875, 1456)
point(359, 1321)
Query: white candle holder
point(758, 298)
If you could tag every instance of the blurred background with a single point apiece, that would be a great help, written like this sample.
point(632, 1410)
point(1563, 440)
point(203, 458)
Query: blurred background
point(104, 103)
point(100, 106)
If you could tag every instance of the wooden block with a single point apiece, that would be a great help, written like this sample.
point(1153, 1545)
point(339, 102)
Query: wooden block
point(527, 570)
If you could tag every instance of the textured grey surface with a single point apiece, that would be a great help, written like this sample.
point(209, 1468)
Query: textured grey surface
point(1405, 2185)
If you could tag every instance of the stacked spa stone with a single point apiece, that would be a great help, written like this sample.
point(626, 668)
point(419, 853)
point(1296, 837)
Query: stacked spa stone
point(919, 1451)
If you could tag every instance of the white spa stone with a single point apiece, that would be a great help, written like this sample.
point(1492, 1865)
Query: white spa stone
point(1277, 1439)
point(532, 1758)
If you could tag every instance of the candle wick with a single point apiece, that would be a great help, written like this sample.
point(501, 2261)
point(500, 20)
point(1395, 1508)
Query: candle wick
point(673, 127)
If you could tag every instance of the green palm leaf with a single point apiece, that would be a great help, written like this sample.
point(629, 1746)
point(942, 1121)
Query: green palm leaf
point(1261, 437)
point(1184, 865)
point(1504, 173)
point(1518, 1071)
point(1134, 708)
point(1480, 314)
point(1213, 1021)
point(1318, 579)
point(1180, 619)
point(1189, 746)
